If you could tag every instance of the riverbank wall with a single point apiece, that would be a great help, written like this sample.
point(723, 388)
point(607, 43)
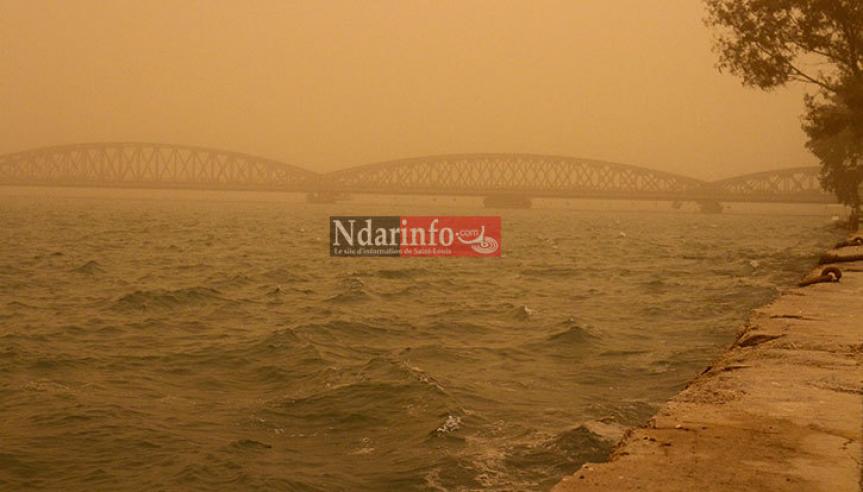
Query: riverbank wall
point(782, 409)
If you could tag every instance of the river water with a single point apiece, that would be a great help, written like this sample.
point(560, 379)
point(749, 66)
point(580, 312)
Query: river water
point(203, 340)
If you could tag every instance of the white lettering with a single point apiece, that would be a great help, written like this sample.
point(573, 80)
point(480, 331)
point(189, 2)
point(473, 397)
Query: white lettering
point(364, 236)
point(446, 241)
point(340, 228)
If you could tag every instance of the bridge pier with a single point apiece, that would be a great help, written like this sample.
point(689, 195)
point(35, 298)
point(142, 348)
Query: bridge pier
point(710, 206)
point(507, 201)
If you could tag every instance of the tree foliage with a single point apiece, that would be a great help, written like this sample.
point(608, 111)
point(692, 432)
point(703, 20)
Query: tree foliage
point(836, 139)
point(770, 43)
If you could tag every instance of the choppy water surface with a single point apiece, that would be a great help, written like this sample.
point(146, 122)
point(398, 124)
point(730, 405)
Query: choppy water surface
point(212, 343)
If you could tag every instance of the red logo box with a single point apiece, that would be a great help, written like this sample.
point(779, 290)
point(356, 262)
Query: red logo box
point(450, 236)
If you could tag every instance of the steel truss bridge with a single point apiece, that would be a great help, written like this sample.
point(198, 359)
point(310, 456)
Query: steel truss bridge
point(150, 165)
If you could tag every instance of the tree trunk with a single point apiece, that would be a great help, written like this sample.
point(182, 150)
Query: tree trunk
point(854, 219)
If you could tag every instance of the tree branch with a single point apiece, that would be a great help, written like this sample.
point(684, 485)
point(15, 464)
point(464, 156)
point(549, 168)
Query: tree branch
point(800, 74)
point(807, 78)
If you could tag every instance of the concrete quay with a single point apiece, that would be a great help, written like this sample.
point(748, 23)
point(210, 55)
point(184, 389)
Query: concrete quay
point(781, 410)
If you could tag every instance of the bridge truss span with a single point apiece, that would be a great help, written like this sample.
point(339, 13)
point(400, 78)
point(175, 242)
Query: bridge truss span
point(135, 164)
point(517, 174)
point(791, 185)
point(498, 176)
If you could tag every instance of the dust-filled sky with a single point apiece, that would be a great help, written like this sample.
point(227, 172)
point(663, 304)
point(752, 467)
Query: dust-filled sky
point(331, 84)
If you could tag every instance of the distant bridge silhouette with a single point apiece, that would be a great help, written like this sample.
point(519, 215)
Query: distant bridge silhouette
point(153, 165)
point(130, 164)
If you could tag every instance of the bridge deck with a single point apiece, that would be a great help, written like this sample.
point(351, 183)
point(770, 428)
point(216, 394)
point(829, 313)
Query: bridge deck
point(149, 165)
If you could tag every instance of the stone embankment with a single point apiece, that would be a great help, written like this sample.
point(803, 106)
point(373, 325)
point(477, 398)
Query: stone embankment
point(782, 409)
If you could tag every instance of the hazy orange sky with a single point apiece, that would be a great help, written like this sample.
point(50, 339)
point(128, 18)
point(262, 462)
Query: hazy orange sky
point(331, 84)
